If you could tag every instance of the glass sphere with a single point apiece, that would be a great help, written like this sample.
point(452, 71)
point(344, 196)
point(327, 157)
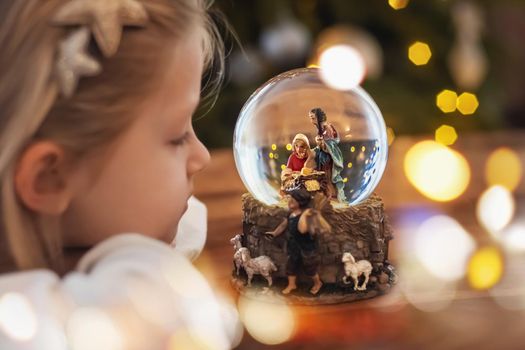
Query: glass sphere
point(280, 109)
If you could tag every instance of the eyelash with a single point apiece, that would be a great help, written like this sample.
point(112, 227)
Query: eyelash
point(181, 141)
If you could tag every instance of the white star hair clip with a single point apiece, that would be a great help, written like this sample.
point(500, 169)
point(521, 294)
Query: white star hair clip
point(73, 61)
point(105, 19)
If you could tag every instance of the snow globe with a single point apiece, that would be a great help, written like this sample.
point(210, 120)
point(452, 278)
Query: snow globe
point(310, 156)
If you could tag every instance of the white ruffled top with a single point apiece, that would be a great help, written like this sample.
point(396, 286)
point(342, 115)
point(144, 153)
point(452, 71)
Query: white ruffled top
point(128, 292)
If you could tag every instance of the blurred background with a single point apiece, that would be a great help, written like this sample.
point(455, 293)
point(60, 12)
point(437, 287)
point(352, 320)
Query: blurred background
point(449, 79)
point(413, 50)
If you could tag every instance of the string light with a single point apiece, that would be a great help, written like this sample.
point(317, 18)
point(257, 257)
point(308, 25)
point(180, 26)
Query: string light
point(437, 171)
point(269, 323)
point(398, 4)
point(446, 101)
point(342, 67)
point(503, 168)
point(446, 135)
point(495, 208)
point(485, 268)
point(419, 53)
point(467, 103)
point(443, 247)
point(17, 318)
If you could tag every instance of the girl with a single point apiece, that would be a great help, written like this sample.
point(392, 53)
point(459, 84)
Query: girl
point(96, 140)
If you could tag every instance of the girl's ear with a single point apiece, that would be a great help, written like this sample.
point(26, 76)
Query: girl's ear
point(41, 178)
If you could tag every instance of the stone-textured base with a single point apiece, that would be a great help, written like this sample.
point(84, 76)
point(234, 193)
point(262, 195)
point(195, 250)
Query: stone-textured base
point(329, 293)
point(362, 230)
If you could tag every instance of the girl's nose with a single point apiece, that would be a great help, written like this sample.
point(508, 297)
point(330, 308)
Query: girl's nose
point(199, 158)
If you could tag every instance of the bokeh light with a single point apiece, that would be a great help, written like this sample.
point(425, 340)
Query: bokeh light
point(355, 37)
point(485, 268)
point(446, 101)
point(390, 135)
point(514, 237)
point(446, 135)
point(467, 103)
point(92, 328)
point(419, 53)
point(269, 323)
point(341, 67)
point(503, 168)
point(509, 292)
point(436, 171)
point(443, 247)
point(198, 301)
point(184, 339)
point(422, 289)
point(398, 4)
point(495, 209)
point(17, 317)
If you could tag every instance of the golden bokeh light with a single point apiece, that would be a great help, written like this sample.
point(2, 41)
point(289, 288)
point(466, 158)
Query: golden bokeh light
point(289, 147)
point(446, 135)
point(269, 323)
point(345, 180)
point(436, 171)
point(446, 100)
point(184, 339)
point(350, 165)
point(485, 268)
point(352, 149)
point(390, 135)
point(398, 4)
point(271, 155)
point(467, 103)
point(503, 168)
point(495, 209)
point(283, 167)
point(419, 53)
point(17, 318)
point(274, 146)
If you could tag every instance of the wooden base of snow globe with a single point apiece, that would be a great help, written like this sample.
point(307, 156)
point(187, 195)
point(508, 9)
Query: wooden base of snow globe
point(355, 250)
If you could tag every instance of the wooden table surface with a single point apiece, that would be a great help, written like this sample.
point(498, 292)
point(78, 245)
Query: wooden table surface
point(465, 319)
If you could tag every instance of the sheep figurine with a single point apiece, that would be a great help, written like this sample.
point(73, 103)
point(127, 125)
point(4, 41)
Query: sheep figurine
point(261, 265)
point(355, 269)
point(237, 245)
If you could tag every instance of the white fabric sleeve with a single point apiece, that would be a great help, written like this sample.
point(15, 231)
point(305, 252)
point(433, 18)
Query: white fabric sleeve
point(191, 233)
point(129, 292)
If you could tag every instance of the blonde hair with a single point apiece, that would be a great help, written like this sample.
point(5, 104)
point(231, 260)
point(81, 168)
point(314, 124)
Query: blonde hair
point(31, 108)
